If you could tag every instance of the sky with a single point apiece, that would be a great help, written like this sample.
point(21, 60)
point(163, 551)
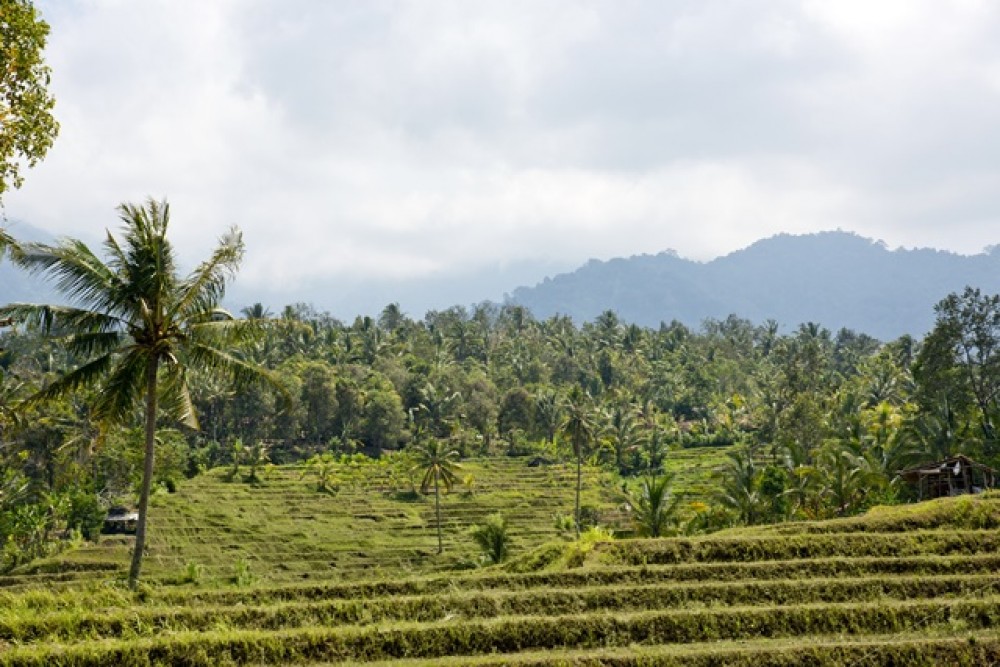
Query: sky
point(434, 152)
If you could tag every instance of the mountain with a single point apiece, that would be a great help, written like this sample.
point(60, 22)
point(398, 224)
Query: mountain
point(837, 279)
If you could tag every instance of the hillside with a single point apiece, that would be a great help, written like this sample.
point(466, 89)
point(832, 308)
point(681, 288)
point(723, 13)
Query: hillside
point(372, 524)
point(835, 278)
point(915, 585)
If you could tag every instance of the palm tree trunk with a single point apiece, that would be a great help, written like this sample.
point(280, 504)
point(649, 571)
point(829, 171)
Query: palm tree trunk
point(147, 474)
point(437, 512)
point(579, 482)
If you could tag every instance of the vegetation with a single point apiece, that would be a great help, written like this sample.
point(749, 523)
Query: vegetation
point(139, 328)
point(655, 508)
point(436, 462)
point(727, 602)
point(27, 127)
point(732, 484)
point(493, 539)
point(765, 427)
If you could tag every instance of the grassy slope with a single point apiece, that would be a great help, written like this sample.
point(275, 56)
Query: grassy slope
point(374, 525)
point(906, 585)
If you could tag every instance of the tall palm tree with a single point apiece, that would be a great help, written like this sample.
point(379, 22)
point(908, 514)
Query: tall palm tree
point(140, 326)
point(437, 461)
point(580, 429)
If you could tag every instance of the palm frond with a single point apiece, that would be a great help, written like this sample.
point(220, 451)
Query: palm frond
point(427, 481)
point(86, 375)
point(76, 270)
point(59, 319)
point(125, 385)
point(89, 344)
point(219, 329)
point(117, 259)
point(8, 245)
point(243, 373)
point(149, 257)
point(205, 287)
point(175, 396)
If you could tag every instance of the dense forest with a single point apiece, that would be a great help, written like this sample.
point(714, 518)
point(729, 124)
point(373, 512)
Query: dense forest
point(822, 421)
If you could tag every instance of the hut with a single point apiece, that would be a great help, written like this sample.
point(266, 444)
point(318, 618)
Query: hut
point(120, 520)
point(953, 476)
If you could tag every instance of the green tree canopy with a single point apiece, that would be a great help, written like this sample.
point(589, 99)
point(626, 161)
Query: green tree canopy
point(27, 127)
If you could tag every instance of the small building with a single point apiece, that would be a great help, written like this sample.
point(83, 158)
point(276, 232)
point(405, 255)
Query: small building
point(120, 520)
point(953, 476)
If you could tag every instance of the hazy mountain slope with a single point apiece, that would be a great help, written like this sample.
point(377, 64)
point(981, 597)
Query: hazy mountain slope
point(835, 278)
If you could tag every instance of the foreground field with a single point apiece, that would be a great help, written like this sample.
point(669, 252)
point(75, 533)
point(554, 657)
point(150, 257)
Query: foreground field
point(917, 585)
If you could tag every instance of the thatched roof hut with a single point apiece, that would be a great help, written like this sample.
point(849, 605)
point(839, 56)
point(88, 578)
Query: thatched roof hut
point(952, 476)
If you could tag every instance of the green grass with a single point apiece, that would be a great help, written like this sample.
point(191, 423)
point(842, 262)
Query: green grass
point(373, 526)
point(352, 578)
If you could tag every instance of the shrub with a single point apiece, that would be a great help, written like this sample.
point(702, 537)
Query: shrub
point(243, 576)
point(493, 539)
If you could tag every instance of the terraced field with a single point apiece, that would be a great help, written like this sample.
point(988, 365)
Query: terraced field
point(916, 585)
point(374, 525)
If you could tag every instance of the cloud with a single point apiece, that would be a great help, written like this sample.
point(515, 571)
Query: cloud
point(400, 141)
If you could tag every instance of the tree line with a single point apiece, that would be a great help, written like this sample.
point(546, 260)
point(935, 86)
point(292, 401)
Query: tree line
point(144, 361)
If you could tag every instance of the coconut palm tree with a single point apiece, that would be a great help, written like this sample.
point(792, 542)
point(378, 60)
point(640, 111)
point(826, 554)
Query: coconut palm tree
point(580, 429)
point(493, 538)
point(655, 506)
point(739, 486)
point(436, 460)
point(140, 326)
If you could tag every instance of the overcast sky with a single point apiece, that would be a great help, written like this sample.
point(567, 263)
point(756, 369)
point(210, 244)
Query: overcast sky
point(388, 143)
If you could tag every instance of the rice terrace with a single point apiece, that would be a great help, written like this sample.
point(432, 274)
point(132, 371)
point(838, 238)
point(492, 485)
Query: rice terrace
point(228, 436)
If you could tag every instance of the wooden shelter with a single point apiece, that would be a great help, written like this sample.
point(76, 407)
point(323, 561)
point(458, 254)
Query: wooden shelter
point(120, 520)
point(953, 476)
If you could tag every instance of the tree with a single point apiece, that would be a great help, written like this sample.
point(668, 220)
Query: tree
point(548, 412)
point(437, 461)
point(319, 400)
point(739, 487)
point(967, 331)
point(383, 422)
point(580, 429)
point(623, 432)
point(140, 327)
point(27, 127)
point(493, 538)
point(655, 507)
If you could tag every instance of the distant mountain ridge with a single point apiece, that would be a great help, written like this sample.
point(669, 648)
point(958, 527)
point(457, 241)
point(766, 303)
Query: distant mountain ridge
point(838, 279)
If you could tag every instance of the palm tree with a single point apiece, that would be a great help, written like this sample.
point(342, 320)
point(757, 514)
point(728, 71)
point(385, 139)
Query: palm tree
point(436, 460)
point(655, 507)
point(623, 432)
point(739, 486)
point(548, 413)
point(493, 538)
point(140, 326)
point(257, 311)
point(580, 429)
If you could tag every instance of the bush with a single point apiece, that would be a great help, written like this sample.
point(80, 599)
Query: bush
point(85, 514)
point(493, 539)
